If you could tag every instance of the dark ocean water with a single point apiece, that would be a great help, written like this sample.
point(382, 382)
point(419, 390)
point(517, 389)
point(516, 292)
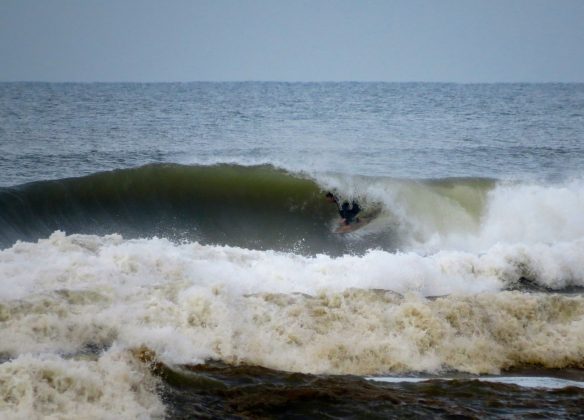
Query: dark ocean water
point(166, 250)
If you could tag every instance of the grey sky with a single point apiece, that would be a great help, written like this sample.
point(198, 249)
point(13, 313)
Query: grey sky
point(295, 40)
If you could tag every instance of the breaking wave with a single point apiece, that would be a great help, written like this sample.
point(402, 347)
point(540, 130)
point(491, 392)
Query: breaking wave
point(241, 265)
point(262, 207)
point(364, 315)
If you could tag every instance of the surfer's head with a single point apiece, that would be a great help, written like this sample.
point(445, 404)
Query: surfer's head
point(330, 197)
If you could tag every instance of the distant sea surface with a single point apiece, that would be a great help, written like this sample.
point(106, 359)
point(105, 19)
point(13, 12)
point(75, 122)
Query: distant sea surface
point(166, 250)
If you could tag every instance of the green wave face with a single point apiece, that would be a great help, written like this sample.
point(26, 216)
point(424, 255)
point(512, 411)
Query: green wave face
point(255, 207)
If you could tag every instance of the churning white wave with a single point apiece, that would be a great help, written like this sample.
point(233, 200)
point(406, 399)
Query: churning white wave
point(345, 315)
point(470, 214)
point(190, 303)
point(52, 387)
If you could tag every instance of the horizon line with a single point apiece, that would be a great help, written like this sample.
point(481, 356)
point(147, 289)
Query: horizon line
point(286, 81)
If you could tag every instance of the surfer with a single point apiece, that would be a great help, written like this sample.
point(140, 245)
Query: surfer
point(347, 212)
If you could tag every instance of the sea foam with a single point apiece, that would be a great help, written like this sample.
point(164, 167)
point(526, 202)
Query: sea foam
point(48, 386)
point(368, 314)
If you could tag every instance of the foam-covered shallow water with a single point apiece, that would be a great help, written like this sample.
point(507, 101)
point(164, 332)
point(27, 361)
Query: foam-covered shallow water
point(88, 299)
point(177, 258)
point(349, 315)
point(132, 384)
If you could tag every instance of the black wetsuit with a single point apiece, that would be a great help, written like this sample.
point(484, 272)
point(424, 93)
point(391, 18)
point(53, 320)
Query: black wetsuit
point(349, 214)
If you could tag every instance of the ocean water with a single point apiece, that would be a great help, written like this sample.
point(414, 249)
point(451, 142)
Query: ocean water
point(166, 250)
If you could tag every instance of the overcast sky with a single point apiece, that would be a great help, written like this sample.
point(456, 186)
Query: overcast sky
point(292, 40)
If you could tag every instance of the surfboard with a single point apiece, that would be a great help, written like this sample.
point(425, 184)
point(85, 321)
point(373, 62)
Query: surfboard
point(353, 226)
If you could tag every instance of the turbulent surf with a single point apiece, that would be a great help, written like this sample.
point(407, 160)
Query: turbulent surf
point(136, 282)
